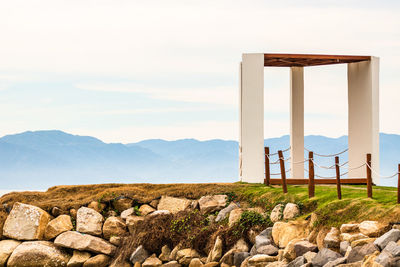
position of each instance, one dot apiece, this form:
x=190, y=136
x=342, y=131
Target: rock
x=362, y=242
x=283, y=232
x=343, y=247
x=289, y=252
x=239, y=257
x=332, y=239
x=268, y=250
x=369, y=261
x=302, y=247
x=195, y=263
x=116, y=240
x=152, y=261
x=225, y=212
x=371, y=228
x=98, y=261
x=335, y=262
x=354, y=264
x=349, y=228
x=324, y=256
x=78, y=241
x=159, y=213
x=216, y=252
x=309, y=256
x=320, y=238
x=297, y=262
x=352, y=237
x=358, y=253
x=277, y=264
x=89, y=221
x=291, y=211
x=132, y=221
x=56, y=211
x=228, y=257
x=173, y=204
x=165, y=253
x=26, y=222
x=122, y=204
x=172, y=264
x=127, y=212
x=211, y=264
x=393, y=249
x=78, y=258
x=111, y=213
x=213, y=203
x=113, y=226
x=146, y=209
x=6, y=248
x=241, y=246
x=384, y=259
x=139, y=255
x=184, y=256
x=57, y=226
x=261, y=260
x=154, y=203
x=264, y=238
x=38, y=253
x=234, y=216
x=174, y=251
x=392, y=235
x=276, y=213
x=97, y=206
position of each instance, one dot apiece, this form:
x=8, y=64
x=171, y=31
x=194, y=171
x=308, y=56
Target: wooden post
x=339, y=190
x=311, y=184
x=283, y=173
x=369, y=176
x=267, y=170
x=398, y=185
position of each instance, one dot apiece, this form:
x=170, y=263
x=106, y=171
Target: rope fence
x=336, y=179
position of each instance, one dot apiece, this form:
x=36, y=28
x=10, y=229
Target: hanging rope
x=381, y=176
x=332, y=155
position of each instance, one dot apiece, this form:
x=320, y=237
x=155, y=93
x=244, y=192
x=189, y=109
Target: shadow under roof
x=304, y=60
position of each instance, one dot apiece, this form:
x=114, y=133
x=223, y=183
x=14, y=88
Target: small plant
x=231, y=197
x=249, y=219
x=136, y=210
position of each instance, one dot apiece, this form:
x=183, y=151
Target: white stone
x=89, y=221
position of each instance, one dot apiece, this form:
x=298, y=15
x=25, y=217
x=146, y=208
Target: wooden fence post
x=283, y=173
x=369, y=176
x=398, y=185
x=267, y=170
x=339, y=189
x=311, y=185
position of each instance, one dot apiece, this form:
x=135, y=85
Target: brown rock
x=97, y=206
x=212, y=203
x=26, y=222
x=154, y=203
x=173, y=204
x=6, y=248
x=352, y=237
x=122, y=204
x=332, y=239
x=172, y=264
x=116, y=240
x=349, y=228
x=261, y=260
x=372, y=228
x=128, y=212
x=78, y=241
x=234, y=216
x=78, y=258
x=216, y=252
x=320, y=238
x=41, y=253
x=145, y=209
x=113, y=226
x=362, y=242
x=152, y=261
x=184, y=256
x=56, y=211
x=132, y=221
x=89, y=221
x=291, y=211
x=73, y=213
x=283, y=232
x=57, y=226
x=165, y=253
x=289, y=252
x=195, y=263
x=98, y=261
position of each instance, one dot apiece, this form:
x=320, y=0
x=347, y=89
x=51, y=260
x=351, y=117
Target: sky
x=125, y=71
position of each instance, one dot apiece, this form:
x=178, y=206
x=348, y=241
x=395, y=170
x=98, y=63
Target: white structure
x=363, y=108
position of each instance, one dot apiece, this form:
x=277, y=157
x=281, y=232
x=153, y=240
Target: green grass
x=354, y=206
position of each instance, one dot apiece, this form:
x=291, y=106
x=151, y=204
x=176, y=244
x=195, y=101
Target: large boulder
x=6, y=248
x=332, y=239
x=139, y=255
x=132, y=221
x=38, y=253
x=283, y=233
x=26, y=222
x=76, y=240
x=302, y=247
x=371, y=228
x=89, y=221
x=358, y=253
x=173, y=204
x=324, y=256
x=393, y=248
x=392, y=235
x=212, y=203
x=225, y=211
x=234, y=216
x=98, y=261
x=349, y=228
x=146, y=209
x=122, y=203
x=216, y=252
x=78, y=258
x=113, y=226
x=291, y=211
x=276, y=213
x=263, y=238
x=57, y=226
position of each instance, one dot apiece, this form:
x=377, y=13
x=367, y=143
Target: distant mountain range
x=37, y=160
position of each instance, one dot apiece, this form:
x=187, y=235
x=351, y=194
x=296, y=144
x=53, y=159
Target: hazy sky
x=129, y=70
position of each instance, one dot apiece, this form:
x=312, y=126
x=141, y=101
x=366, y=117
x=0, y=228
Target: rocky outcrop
x=78, y=241
x=89, y=221
x=38, y=253
x=26, y=222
